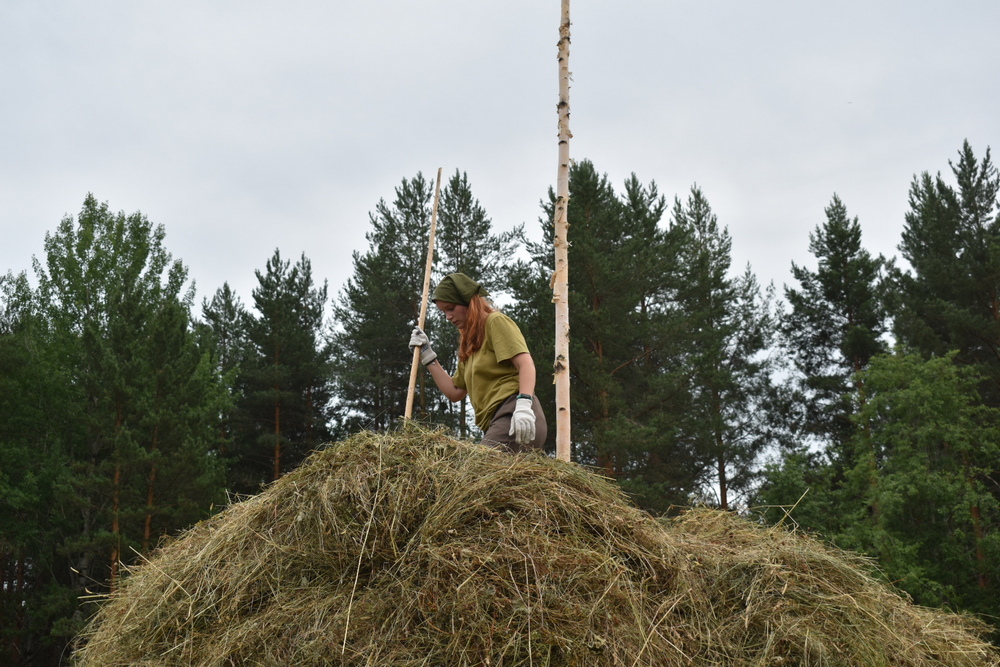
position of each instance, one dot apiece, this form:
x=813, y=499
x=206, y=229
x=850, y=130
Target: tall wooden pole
x=415, y=365
x=560, y=279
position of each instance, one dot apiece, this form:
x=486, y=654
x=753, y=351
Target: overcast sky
x=248, y=126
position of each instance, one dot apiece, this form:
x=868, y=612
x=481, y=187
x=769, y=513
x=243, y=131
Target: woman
x=495, y=369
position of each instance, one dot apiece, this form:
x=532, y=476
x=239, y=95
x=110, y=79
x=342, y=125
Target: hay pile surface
x=416, y=549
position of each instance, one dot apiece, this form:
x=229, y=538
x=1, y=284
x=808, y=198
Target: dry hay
x=416, y=549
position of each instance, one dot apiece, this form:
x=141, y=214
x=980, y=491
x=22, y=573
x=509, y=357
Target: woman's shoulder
x=503, y=331
x=499, y=318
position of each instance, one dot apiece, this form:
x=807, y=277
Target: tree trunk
x=115, y=526
x=16, y=603
x=723, y=483
x=116, y=503
x=982, y=581
x=560, y=279
x=720, y=452
x=150, y=494
x=277, y=435
x=977, y=527
x=310, y=418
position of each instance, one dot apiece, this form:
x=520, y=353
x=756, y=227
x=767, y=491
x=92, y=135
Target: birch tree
x=560, y=278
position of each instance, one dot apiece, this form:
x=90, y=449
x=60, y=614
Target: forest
x=860, y=402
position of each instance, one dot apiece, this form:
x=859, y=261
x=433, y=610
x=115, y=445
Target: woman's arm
x=525, y=366
x=445, y=383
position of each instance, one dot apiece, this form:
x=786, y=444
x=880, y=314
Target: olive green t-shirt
x=488, y=375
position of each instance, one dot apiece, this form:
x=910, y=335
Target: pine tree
x=465, y=239
x=837, y=323
x=627, y=380
x=950, y=300
x=284, y=382
x=223, y=331
x=951, y=240
x=729, y=328
x=226, y=319
x=377, y=308
x=187, y=397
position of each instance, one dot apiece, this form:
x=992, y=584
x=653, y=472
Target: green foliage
x=112, y=430
x=225, y=319
x=33, y=440
x=950, y=308
x=465, y=240
x=799, y=490
x=837, y=322
x=920, y=493
x=223, y=332
x=907, y=468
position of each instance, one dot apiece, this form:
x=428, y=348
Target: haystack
x=417, y=549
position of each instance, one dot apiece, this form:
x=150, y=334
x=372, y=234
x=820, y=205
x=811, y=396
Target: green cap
x=458, y=288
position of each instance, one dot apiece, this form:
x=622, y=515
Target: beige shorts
x=498, y=434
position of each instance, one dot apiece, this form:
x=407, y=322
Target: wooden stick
x=411, y=391
x=560, y=279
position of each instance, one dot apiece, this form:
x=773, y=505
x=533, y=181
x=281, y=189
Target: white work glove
x=522, y=422
x=419, y=339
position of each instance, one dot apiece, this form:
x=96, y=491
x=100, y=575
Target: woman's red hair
x=474, y=333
